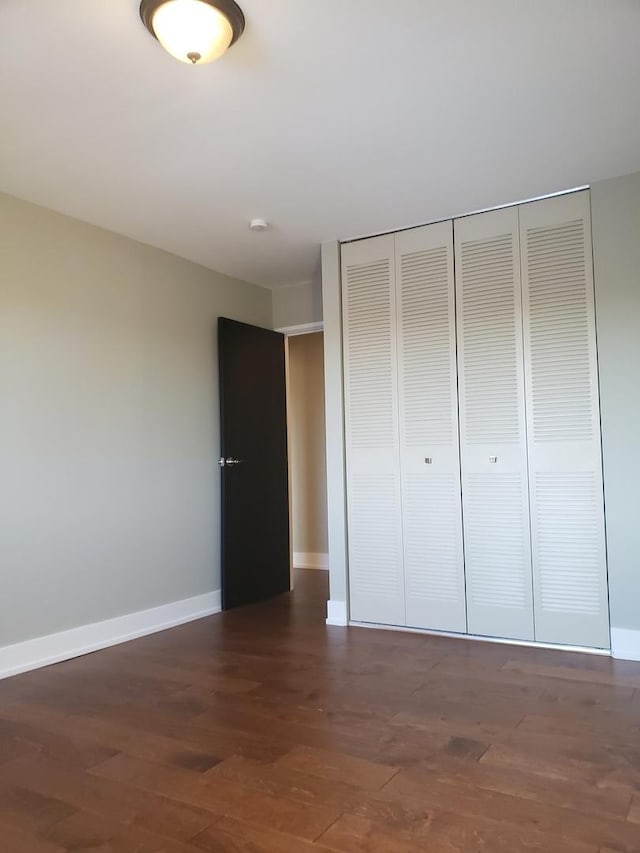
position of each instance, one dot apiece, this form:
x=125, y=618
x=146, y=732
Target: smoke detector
x=258, y=225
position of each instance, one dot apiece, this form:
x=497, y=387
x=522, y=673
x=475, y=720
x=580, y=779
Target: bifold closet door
x=492, y=425
x=376, y=575
x=428, y=421
x=565, y=463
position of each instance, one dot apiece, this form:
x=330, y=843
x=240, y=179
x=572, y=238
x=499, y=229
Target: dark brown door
x=255, y=489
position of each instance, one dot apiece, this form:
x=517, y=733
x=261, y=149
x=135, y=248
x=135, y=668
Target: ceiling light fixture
x=193, y=31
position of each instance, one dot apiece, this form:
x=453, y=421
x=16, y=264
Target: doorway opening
x=307, y=459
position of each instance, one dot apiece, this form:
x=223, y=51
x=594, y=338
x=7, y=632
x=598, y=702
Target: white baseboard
x=480, y=638
x=337, y=613
x=54, y=648
x=310, y=561
x=625, y=644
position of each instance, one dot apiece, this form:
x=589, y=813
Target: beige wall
x=109, y=484
x=297, y=305
x=615, y=207
x=307, y=444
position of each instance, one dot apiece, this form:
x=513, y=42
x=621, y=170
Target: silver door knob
x=230, y=461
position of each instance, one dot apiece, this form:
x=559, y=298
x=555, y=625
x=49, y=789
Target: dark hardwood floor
x=264, y=730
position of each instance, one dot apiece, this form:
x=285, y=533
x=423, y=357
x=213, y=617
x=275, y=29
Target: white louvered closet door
x=492, y=425
x=563, y=411
x=376, y=577
x=428, y=419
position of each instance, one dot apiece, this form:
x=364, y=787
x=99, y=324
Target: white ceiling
x=330, y=118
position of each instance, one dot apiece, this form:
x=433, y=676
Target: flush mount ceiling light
x=194, y=31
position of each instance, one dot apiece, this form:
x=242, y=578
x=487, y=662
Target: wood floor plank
x=292, y=784
x=11, y=748
x=447, y=791
x=118, y=738
x=533, y=690
x=86, y=831
x=483, y=709
x=69, y=748
x=338, y=767
x=282, y=781
x=116, y=800
x=407, y=748
x=13, y=839
x=353, y=834
x=614, y=675
x=574, y=793
x=234, y=836
x=548, y=763
x=443, y=833
x=171, y=725
x=31, y=810
x=220, y=796
x=174, y=676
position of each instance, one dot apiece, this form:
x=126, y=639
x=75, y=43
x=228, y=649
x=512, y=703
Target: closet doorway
x=307, y=459
x=472, y=422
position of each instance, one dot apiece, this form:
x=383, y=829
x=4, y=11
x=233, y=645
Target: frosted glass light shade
x=193, y=31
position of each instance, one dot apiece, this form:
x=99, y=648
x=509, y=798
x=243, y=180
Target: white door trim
x=302, y=329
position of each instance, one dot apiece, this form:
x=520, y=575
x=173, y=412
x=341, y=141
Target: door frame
x=338, y=604
x=291, y=332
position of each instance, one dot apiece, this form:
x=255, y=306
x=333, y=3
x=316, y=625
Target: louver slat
x=492, y=425
x=567, y=513
x=376, y=575
x=431, y=499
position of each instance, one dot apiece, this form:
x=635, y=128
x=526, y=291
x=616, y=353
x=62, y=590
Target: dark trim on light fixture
x=228, y=8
